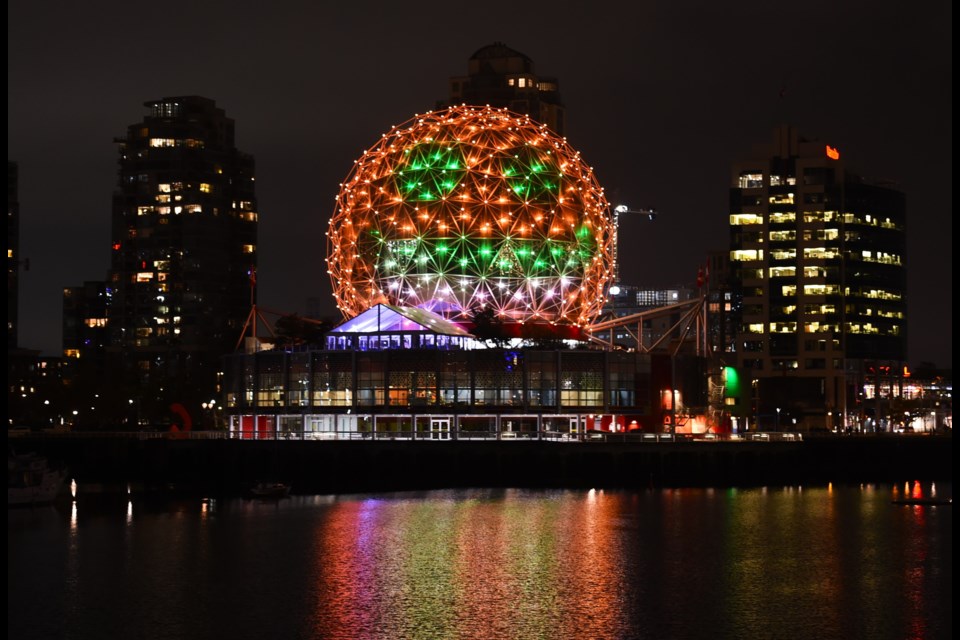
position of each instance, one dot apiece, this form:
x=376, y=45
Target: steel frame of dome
x=472, y=207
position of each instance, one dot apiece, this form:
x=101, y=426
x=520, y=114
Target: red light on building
x=833, y=153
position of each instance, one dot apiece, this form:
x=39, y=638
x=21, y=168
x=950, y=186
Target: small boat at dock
x=31, y=480
x=270, y=490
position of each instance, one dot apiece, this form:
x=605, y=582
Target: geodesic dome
x=469, y=208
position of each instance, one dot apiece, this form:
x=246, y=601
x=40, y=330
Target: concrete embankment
x=229, y=466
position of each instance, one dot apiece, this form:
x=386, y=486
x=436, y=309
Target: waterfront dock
x=214, y=465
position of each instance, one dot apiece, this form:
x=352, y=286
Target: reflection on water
x=791, y=562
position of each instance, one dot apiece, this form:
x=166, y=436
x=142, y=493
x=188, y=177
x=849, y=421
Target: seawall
x=230, y=466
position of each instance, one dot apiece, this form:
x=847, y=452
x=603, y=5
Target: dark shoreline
x=226, y=467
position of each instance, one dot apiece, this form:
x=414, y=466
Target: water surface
x=822, y=562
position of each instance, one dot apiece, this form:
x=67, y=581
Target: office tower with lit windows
x=184, y=248
x=818, y=257
x=498, y=76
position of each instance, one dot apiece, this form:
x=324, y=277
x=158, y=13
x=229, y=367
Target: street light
x=212, y=407
x=778, y=419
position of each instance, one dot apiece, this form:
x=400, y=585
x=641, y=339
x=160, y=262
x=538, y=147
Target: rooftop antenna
x=617, y=210
x=251, y=322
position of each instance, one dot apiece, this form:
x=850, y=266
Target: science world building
x=468, y=249
x=404, y=372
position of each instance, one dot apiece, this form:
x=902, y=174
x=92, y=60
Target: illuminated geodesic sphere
x=467, y=208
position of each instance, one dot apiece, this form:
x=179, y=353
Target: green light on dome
x=435, y=171
x=531, y=174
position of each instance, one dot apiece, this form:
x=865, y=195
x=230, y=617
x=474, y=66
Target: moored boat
x=270, y=490
x=31, y=480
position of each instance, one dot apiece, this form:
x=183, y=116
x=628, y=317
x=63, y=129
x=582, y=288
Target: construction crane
x=617, y=210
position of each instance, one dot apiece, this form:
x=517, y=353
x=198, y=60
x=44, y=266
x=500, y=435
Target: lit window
x=783, y=327
x=745, y=218
x=783, y=272
x=777, y=236
x=783, y=198
x=820, y=289
x=750, y=180
x=746, y=255
x=782, y=217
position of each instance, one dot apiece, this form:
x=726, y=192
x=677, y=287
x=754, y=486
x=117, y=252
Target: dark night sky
x=661, y=98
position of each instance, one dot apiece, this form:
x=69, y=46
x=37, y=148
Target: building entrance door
x=439, y=428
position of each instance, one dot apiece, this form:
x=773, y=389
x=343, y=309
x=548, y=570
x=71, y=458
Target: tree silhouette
x=293, y=330
x=488, y=328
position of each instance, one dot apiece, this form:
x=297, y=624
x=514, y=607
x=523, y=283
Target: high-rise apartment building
x=184, y=248
x=818, y=258
x=501, y=77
